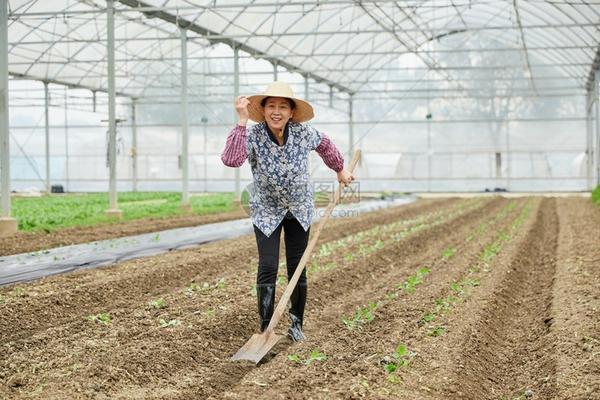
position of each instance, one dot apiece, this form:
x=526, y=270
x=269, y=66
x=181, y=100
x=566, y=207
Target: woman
x=277, y=149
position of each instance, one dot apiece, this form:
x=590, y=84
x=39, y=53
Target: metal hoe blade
x=257, y=347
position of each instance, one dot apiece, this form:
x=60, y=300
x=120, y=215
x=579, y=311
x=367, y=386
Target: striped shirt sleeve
x=330, y=154
x=235, y=152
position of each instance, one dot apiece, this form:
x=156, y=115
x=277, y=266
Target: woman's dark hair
x=290, y=101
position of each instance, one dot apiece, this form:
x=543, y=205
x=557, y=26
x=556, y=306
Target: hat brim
x=302, y=113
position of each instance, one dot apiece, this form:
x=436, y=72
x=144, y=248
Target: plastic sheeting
x=35, y=265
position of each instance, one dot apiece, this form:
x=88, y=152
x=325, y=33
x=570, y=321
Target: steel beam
x=185, y=201
x=112, y=121
x=134, y=146
x=4, y=132
x=236, y=93
x=215, y=37
x=597, y=99
x=47, y=131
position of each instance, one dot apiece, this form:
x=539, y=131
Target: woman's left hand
x=345, y=177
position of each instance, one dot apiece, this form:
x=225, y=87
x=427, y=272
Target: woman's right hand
x=241, y=106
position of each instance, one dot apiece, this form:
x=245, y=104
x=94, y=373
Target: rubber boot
x=266, y=300
x=296, y=312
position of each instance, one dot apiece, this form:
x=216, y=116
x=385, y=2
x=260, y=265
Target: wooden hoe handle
x=281, y=306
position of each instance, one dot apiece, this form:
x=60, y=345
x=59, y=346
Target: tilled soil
x=23, y=242
x=489, y=299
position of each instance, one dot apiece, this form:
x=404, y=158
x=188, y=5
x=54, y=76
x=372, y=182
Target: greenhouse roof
x=346, y=45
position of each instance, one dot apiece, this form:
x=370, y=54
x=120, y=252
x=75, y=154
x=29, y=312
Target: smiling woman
x=277, y=149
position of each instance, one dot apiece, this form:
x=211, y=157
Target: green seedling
x=171, y=324
x=409, y=286
x=1, y=299
x=19, y=292
x=325, y=250
x=156, y=238
x=157, y=304
x=361, y=317
x=192, y=288
x=391, y=296
x=102, y=318
x=315, y=355
x=401, y=358
x=349, y=257
x=436, y=331
x=456, y=288
x=220, y=283
x=448, y=253
x=295, y=358
x=206, y=287
x=428, y=317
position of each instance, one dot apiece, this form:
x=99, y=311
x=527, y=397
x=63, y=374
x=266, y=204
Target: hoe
x=260, y=343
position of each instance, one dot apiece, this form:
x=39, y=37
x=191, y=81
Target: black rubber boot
x=298, y=301
x=266, y=300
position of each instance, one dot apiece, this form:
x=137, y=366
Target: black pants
x=296, y=240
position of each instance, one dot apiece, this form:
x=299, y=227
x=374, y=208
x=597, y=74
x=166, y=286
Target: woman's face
x=278, y=112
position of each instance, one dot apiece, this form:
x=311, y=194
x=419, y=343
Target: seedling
x=349, y=257
x=19, y=292
x=157, y=304
x=456, y=288
x=295, y=358
x=206, y=287
x=102, y=318
x=315, y=355
x=436, y=331
x=171, y=324
x=428, y=317
x=448, y=253
x=409, y=286
x=191, y=289
x=361, y=317
x=325, y=250
x=401, y=358
x=220, y=283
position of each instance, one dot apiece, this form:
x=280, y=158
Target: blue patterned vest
x=281, y=176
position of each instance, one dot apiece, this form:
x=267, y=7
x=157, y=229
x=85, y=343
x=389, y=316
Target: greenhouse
x=434, y=165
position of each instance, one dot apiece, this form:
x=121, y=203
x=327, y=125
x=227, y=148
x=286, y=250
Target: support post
x=134, y=150
x=66, y=142
x=185, y=196
x=205, y=148
x=589, y=139
x=597, y=100
x=113, y=210
x=236, y=93
x=275, y=64
x=47, y=129
x=8, y=225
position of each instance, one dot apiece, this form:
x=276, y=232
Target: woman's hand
x=241, y=106
x=345, y=177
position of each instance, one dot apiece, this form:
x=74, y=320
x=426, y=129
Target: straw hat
x=302, y=113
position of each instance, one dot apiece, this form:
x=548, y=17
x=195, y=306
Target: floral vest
x=281, y=176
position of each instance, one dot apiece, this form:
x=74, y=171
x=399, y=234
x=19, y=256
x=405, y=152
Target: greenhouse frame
x=441, y=96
